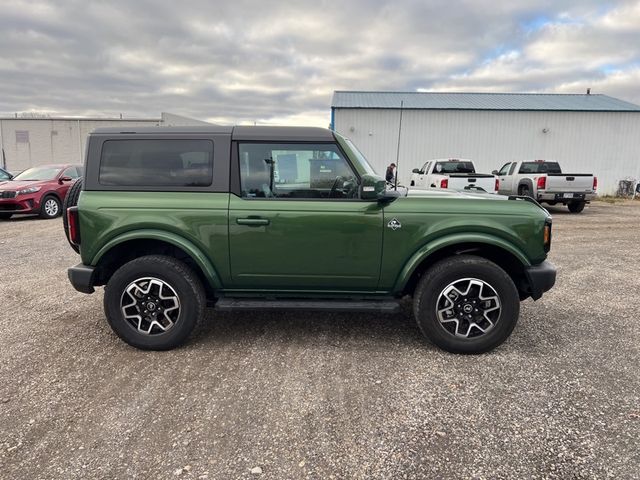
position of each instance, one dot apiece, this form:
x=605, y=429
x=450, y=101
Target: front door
x=299, y=224
x=505, y=185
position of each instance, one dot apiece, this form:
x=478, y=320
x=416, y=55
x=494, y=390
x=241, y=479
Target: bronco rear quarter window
x=157, y=163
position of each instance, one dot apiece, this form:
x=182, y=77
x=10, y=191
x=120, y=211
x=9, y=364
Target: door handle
x=252, y=222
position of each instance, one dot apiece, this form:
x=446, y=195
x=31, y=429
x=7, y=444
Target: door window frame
x=506, y=168
x=235, y=185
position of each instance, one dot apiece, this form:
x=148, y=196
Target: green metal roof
x=482, y=101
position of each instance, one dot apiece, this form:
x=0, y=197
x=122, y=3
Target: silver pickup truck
x=544, y=181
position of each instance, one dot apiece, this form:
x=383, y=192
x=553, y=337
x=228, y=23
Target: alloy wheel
x=51, y=207
x=150, y=305
x=468, y=308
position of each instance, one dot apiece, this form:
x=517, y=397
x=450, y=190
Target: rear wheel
x=50, y=207
x=5, y=216
x=154, y=302
x=466, y=304
x=576, y=207
x=523, y=191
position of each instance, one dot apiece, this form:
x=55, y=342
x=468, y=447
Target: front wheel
x=50, y=207
x=576, y=207
x=466, y=304
x=154, y=302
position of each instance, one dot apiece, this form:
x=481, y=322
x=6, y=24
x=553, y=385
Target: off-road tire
x=71, y=200
x=182, y=279
x=44, y=213
x=436, y=279
x=576, y=207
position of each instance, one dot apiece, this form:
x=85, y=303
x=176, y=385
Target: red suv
x=37, y=190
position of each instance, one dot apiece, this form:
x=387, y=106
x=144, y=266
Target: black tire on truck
x=576, y=207
x=154, y=302
x=523, y=191
x=71, y=200
x=466, y=304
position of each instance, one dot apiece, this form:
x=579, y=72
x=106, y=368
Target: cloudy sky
x=241, y=61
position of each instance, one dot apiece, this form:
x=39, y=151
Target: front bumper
x=82, y=277
x=541, y=278
x=20, y=204
x=560, y=197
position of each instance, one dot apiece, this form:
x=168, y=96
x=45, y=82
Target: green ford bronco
x=173, y=220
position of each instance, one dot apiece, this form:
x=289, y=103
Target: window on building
x=22, y=136
x=269, y=170
x=157, y=163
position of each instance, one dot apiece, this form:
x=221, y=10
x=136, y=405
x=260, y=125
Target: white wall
x=51, y=140
x=604, y=143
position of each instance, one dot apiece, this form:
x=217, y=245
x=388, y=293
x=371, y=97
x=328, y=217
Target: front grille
x=8, y=194
x=10, y=208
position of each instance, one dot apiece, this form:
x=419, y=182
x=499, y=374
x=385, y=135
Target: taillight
x=497, y=185
x=74, y=225
x=444, y=183
x=595, y=183
x=547, y=236
x=542, y=183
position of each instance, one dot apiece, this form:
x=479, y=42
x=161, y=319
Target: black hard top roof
x=255, y=133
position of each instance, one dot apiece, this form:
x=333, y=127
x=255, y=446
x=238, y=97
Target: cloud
x=278, y=62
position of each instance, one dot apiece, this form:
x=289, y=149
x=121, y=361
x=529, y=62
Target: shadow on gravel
x=22, y=218
x=309, y=328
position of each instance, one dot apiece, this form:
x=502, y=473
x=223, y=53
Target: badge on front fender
x=394, y=224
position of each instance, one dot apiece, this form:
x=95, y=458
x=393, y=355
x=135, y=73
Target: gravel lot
x=325, y=396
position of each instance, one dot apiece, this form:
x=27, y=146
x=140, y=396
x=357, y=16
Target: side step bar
x=320, y=305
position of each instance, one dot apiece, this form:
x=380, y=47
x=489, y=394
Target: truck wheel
x=154, y=302
x=5, y=216
x=466, y=304
x=71, y=200
x=576, y=207
x=523, y=191
x=50, y=207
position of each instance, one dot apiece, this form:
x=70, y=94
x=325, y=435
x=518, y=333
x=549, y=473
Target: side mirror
x=415, y=170
x=495, y=172
x=65, y=179
x=373, y=187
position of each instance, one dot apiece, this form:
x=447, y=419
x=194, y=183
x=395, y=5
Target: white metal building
x=585, y=133
x=31, y=141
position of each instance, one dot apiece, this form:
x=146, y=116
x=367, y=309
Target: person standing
x=390, y=176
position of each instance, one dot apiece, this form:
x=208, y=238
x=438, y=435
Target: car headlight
x=28, y=190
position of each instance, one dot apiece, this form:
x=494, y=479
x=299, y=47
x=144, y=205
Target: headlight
x=29, y=190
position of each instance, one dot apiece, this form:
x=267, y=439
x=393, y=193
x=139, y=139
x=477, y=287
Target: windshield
x=368, y=169
x=454, y=166
x=39, y=173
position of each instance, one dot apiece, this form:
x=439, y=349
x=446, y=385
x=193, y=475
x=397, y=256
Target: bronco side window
x=279, y=170
x=157, y=163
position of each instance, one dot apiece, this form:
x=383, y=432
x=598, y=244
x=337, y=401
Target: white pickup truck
x=453, y=174
x=544, y=181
